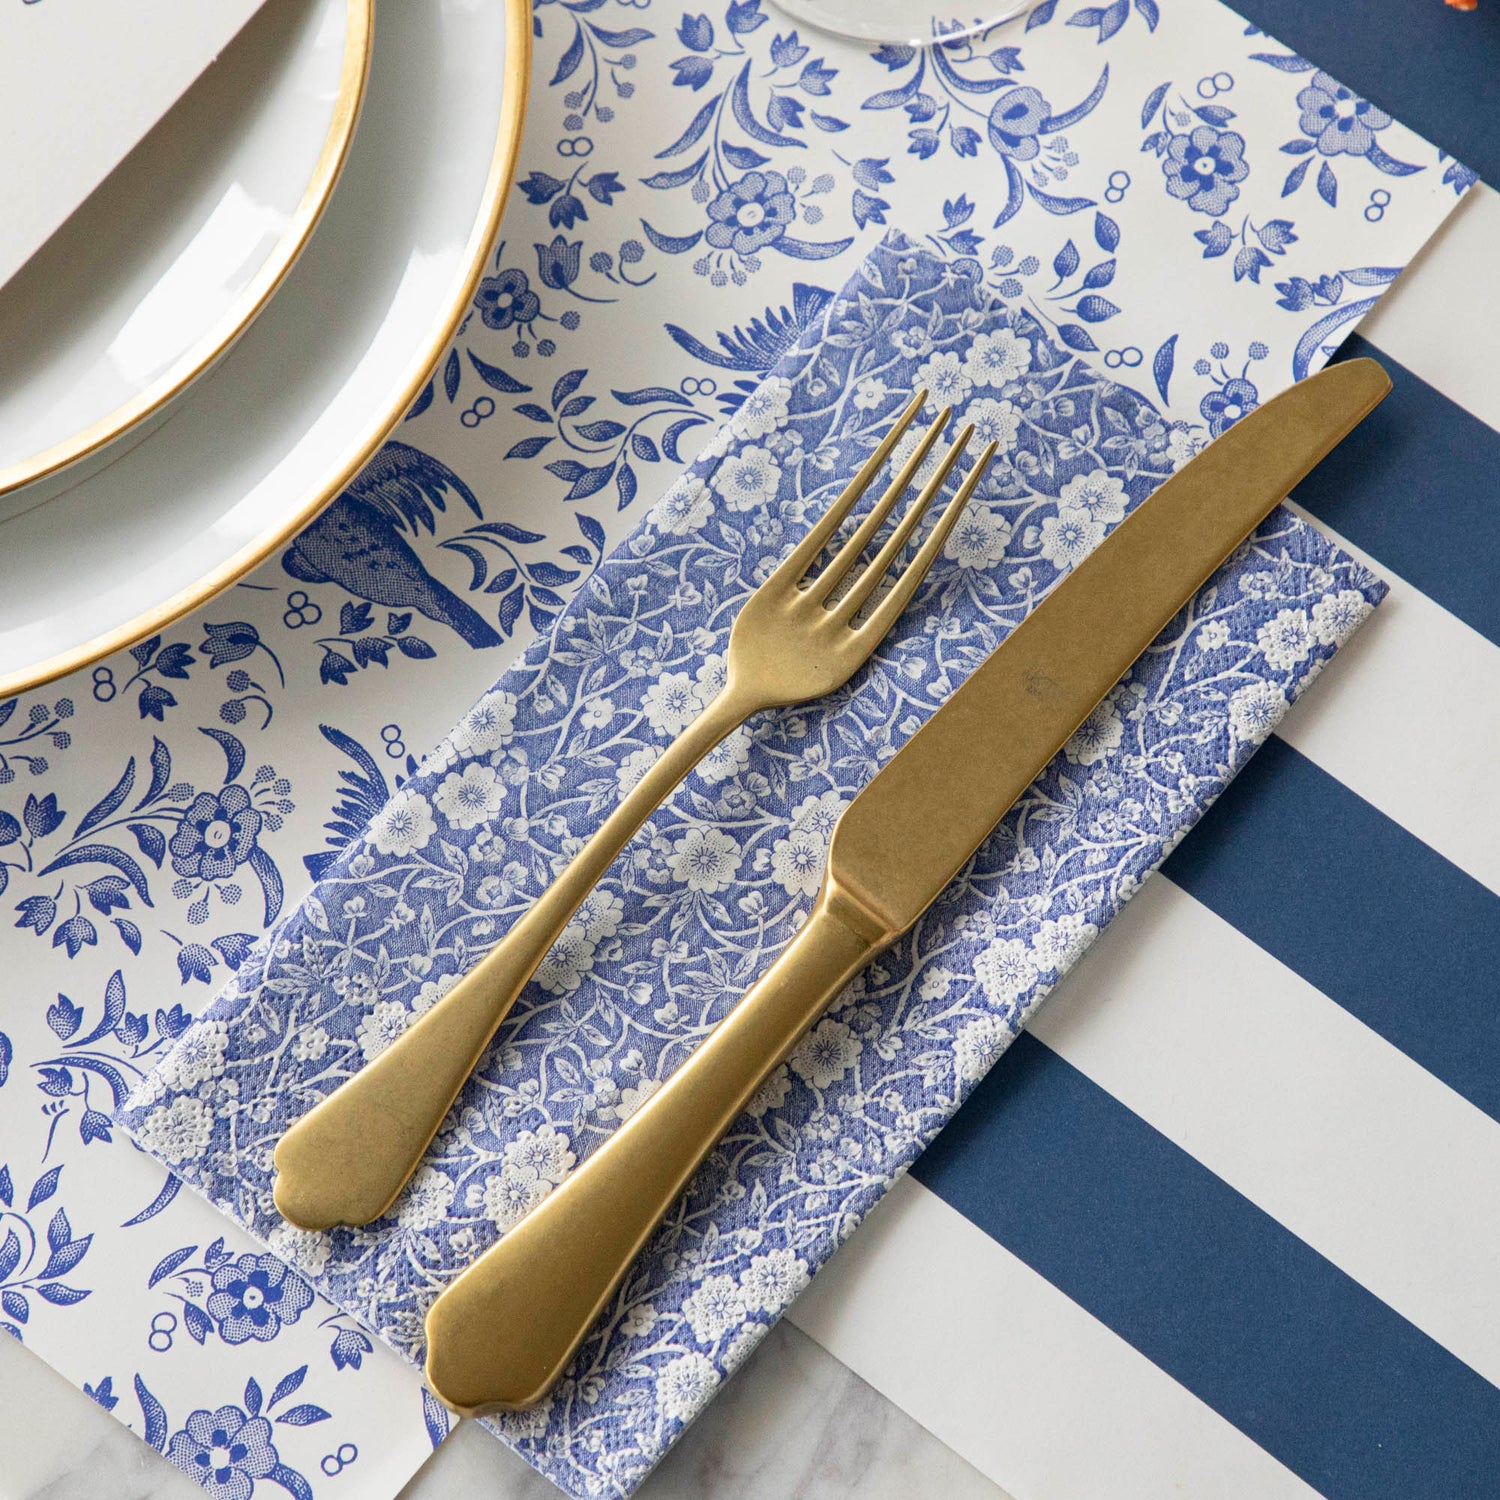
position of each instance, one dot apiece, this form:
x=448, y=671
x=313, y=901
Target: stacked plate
x=228, y=328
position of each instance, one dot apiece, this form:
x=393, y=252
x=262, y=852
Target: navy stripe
x=1413, y=486
x=1277, y=1340
x=1360, y=908
x=1435, y=69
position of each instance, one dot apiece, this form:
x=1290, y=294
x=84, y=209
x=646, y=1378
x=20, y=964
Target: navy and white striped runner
x=1253, y=1250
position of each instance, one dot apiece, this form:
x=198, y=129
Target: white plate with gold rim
x=168, y=261
x=277, y=428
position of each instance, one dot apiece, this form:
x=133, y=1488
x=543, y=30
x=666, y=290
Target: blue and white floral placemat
x=622, y=313
x=722, y=876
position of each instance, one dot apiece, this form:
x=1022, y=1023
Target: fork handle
x=347, y=1159
x=502, y=1333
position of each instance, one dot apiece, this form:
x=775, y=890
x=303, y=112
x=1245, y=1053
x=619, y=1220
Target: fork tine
x=868, y=581
x=805, y=554
x=847, y=555
x=884, y=615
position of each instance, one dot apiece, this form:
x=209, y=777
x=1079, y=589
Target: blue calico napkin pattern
x=722, y=876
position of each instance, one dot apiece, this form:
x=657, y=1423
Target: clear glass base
x=917, y=23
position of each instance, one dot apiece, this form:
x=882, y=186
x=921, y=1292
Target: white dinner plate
x=281, y=424
x=167, y=262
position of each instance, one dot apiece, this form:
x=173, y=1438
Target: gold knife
x=504, y=1331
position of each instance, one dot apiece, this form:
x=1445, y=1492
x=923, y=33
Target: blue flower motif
x=744, y=16
x=696, y=32
x=217, y=834
x=231, y=642
x=1203, y=167
x=37, y=912
x=751, y=213
x=194, y=961
x=75, y=934
x=1459, y=177
x=506, y=299
x=102, y=1393
x=1337, y=120
x=63, y=1017
x=172, y=1023
x=1223, y=407
x=349, y=1348
x=253, y=1296
x=226, y=1451
x=1016, y=120
x=558, y=264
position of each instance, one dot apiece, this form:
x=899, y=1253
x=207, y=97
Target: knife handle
x=347, y=1159
x=502, y=1333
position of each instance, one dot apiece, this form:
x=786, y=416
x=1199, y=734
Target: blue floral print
x=98, y=1067
x=226, y=1451
x=1016, y=121
x=727, y=868
x=23, y=748
x=1223, y=407
x=216, y=835
x=1204, y=164
x=751, y=213
x=1107, y=20
x=1347, y=295
x=965, y=97
x=210, y=840
x=559, y=262
x=229, y=1449
x=749, y=209
x=32, y=1264
x=143, y=836
x=507, y=299
x=1337, y=120
x=941, y=98
x=1205, y=167
x=1233, y=395
x=253, y=1296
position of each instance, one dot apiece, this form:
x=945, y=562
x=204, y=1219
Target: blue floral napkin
x=721, y=877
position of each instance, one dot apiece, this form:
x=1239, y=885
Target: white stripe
x=1408, y=716
x=1339, y=1136
x=1442, y=317
x=1035, y=1392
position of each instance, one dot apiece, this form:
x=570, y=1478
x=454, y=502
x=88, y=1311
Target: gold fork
x=348, y=1158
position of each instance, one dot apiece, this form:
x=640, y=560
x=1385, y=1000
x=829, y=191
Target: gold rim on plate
x=486, y=226
x=353, y=75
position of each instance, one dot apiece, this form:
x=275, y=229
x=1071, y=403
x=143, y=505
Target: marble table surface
x=793, y=1423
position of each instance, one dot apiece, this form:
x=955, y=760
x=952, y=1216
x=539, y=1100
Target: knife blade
x=503, y=1332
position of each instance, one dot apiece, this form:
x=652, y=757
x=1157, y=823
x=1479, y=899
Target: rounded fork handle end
x=347, y=1159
